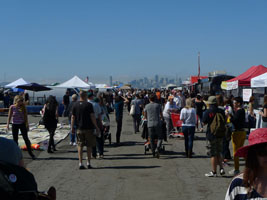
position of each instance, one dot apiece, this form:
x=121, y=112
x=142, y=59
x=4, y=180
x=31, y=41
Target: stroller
x=177, y=124
x=147, y=145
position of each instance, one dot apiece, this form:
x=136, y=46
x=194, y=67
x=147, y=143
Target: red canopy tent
x=194, y=79
x=244, y=79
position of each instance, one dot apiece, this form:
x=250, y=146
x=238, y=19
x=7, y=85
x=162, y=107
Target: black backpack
x=16, y=183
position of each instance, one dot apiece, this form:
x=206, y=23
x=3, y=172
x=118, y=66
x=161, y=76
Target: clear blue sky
x=56, y=39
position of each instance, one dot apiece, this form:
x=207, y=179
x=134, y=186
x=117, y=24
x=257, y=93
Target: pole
x=198, y=65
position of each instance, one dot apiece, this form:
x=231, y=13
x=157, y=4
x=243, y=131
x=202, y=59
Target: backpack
x=217, y=126
x=16, y=183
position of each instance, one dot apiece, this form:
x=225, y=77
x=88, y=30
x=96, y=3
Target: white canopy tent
x=259, y=81
x=14, y=84
x=75, y=82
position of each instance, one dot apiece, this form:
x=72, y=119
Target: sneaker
x=81, y=167
x=89, y=167
x=71, y=143
x=74, y=144
x=234, y=172
x=211, y=174
x=222, y=172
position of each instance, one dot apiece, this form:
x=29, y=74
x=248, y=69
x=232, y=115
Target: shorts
x=86, y=138
x=215, y=147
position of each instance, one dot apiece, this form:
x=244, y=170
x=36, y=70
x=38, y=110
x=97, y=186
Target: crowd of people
x=226, y=118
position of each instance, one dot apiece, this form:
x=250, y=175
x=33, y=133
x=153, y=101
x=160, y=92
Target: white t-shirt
x=188, y=116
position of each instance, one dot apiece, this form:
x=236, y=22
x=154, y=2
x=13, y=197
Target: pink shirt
x=17, y=115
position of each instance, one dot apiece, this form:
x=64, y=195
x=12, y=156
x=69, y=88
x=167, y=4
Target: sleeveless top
x=17, y=115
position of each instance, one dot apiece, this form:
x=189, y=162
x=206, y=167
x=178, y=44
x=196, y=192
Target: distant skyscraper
x=156, y=78
x=110, y=81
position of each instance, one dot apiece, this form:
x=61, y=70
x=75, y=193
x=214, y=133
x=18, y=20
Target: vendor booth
x=259, y=81
x=244, y=80
x=76, y=82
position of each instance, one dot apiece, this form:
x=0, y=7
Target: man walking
x=84, y=118
x=138, y=105
x=153, y=114
x=215, y=143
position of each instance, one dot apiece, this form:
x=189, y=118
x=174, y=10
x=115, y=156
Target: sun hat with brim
x=212, y=100
x=258, y=136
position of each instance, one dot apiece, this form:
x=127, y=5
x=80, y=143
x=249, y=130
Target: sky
x=48, y=40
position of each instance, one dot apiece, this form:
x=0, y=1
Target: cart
x=177, y=124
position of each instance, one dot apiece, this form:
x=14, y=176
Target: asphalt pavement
x=127, y=173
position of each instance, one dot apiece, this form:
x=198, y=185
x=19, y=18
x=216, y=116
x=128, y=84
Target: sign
x=247, y=93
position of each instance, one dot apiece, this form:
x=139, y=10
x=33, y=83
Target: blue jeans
x=73, y=136
x=189, y=133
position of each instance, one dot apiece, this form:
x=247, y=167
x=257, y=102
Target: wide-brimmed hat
x=258, y=136
x=212, y=100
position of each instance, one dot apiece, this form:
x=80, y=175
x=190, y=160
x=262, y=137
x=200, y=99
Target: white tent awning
x=259, y=81
x=14, y=84
x=74, y=82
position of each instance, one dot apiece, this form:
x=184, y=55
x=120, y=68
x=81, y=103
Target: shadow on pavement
x=129, y=167
x=57, y=158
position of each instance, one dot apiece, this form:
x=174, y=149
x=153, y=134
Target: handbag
x=132, y=110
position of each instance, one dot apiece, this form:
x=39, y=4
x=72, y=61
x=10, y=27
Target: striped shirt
x=17, y=115
x=237, y=191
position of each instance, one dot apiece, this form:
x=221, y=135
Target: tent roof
x=259, y=81
x=244, y=79
x=194, y=79
x=15, y=83
x=74, y=82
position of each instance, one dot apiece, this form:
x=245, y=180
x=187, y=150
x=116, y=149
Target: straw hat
x=258, y=136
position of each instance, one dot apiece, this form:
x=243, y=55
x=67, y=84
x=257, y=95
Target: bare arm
x=9, y=117
x=145, y=115
x=92, y=115
x=264, y=114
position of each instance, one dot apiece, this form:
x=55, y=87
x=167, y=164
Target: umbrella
x=35, y=87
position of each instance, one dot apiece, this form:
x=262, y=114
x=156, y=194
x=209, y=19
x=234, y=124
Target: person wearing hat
x=252, y=183
x=215, y=144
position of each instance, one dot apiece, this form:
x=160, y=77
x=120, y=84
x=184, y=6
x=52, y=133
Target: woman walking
x=50, y=117
x=19, y=116
x=189, y=118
